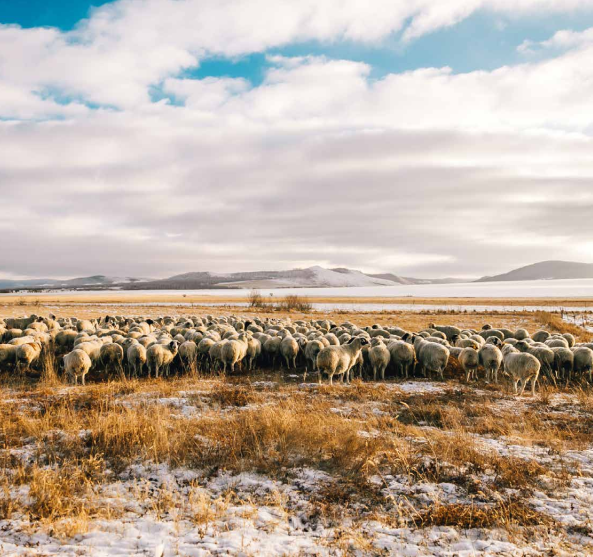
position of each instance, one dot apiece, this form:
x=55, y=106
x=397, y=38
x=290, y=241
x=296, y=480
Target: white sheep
x=77, y=364
x=338, y=360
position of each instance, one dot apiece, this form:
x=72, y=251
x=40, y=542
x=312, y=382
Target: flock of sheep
x=138, y=347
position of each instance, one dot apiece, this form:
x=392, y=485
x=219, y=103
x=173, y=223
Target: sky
x=425, y=138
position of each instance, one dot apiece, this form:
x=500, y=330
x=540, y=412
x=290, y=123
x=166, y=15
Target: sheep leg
x=331, y=378
x=383, y=374
x=523, y=382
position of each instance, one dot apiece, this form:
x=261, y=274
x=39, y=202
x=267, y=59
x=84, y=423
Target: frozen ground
x=448, y=459
x=567, y=288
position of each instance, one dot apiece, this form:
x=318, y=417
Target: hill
x=546, y=270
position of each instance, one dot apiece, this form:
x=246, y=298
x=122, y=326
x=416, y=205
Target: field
x=274, y=463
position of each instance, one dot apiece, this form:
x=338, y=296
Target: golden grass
x=238, y=427
x=503, y=514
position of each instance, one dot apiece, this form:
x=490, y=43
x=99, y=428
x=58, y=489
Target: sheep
x=570, y=339
x=289, y=349
x=545, y=356
x=160, y=356
x=403, y=357
x=522, y=368
x=188, y=354
x=563, y=362
x=466, y=343
x=271, y=348
x=540, y=336
x=339, y=360
x=111, y=357
x=379, y=357
x=233, y=351
x=253, y=350
x=558, y=342
x=136, y=356
x=7, y=354
x=312, y=349
x=583, y=360
x=469, y=360
x=488, y=333
x=27, y=355
x=521, y=334
x=432, y=356
x=448, y=330
x=491, y=359
x=77, y=364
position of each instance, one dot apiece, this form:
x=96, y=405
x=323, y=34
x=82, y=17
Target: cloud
x=428, y=171
x=561, y=40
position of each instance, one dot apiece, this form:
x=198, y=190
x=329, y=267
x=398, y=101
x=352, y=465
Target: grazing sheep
x=379, y=357
x=7, y=355
x=432, y=356
x=521, y=334
x=522, y=368
x=570, y=339
x=111, y=357
x=253, y=350
x=448, y=330
x=233, y=351
x=489, y=333
x=64, y=340
x=312, y=349
x=160, y=356
x=271, y=348
x=557, y=342
x=491, y=359
x=339, y=360
x=27, y=355
x=466, y=343
x=469, y=360
x=583, y=360
x=563, y=362
x=545, y=356
x=403, y=357
x=289, y=349
x=540, y=336
x=136, y=356
x=188, y=354
x=77, y=364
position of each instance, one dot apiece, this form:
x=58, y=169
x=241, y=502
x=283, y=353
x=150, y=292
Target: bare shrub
x=256, y=300
x=294, y=303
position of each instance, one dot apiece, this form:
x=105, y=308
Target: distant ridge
x=309, y=277
x=546, y=270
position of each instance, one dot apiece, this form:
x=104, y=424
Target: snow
x=566, y=288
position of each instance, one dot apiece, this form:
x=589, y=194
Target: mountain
x=546, y=270
x=79, y=282
x=310, y=277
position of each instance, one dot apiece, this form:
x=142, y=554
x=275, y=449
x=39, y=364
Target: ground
x=274, y=463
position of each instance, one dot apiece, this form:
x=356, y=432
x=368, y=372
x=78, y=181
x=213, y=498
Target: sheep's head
x=486, y=327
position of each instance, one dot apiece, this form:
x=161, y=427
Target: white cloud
x=561, y=40
x=429, y=171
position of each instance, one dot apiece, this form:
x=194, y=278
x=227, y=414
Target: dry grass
x=79, y=438
x=503, y=514
x=554, y=322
